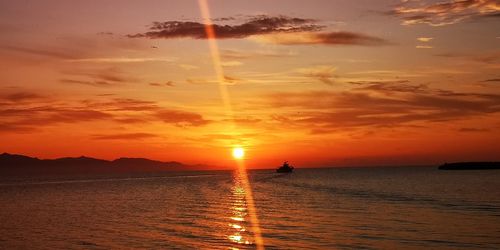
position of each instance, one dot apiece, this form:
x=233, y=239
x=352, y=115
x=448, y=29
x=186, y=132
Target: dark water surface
x=343, y=208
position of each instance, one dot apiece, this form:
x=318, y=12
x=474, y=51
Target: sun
x=238, y=153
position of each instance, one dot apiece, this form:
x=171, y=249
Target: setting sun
x=238, y=153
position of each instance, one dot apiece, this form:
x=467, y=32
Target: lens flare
x=219, y=71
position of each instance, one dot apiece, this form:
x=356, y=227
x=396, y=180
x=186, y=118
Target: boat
x=286, y=168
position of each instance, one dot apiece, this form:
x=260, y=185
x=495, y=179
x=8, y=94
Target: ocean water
x=336, y=208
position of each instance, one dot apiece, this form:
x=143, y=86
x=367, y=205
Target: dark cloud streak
x=258, y=25
x=125, y=136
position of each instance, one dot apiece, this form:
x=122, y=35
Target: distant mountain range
x=12, y=164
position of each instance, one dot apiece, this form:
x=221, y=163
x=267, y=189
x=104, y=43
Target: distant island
x=12, y=164
x=470, y=166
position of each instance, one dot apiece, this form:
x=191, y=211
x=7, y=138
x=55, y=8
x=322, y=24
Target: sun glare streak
x=214, y=52
x=237, y=153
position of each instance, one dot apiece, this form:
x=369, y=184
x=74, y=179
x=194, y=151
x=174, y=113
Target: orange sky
x=318, y=83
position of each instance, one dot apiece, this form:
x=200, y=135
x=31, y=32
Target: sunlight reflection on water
x=238, y=213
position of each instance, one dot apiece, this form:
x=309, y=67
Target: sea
x=328, y=208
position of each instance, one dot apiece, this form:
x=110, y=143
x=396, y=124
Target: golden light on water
x=238, y=215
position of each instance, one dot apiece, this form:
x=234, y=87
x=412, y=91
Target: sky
x=317, y=83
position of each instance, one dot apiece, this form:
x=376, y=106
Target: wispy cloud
x=425, y=39
x=379, y=104
x=491, y=59
x=181, y=118
x=323, y=73
x=228, y=80
x=124, y=136
x=231, y=63
x=21, y=96
x=37, y=113
x=492, y=80
x=325, y=38
x=445, y=12
x=96, y=83
x=165, y=84
x=106, y=77
x=424, y=47
x=235, y=54
x=40, y=52
x=474, y=130
x=121, y=60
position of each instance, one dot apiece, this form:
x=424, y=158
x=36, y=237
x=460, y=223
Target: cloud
x=200, y=80
x=21, y=96
x=491, y=58
x=473, y=130
x=246, y=120
x=39, y=52
x=126, y=136
x=105, y=33
x=122, y=104
x=325, y=38
x=424, y=47
x=227, y=139
x=235, y=54
x=165, y=84
x=492, y=80
x=446, y=12
x=323, y=73
x=106, y=77
x=223, y=19
x=96, y=83
x=70, y=115
x=37, y=114
x=181, y=118
x=231, y=63
x=228, y=80
x=40, y=116
x=390, y=87
x=257, y=25
x=16, y=128
x=268, y=29
x=121, y=60
x=424, y=39
x=378, y=104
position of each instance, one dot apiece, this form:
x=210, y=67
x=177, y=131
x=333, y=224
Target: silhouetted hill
x=470, y=166
x=17, y=159
x=138, y=161
x=11, y=164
